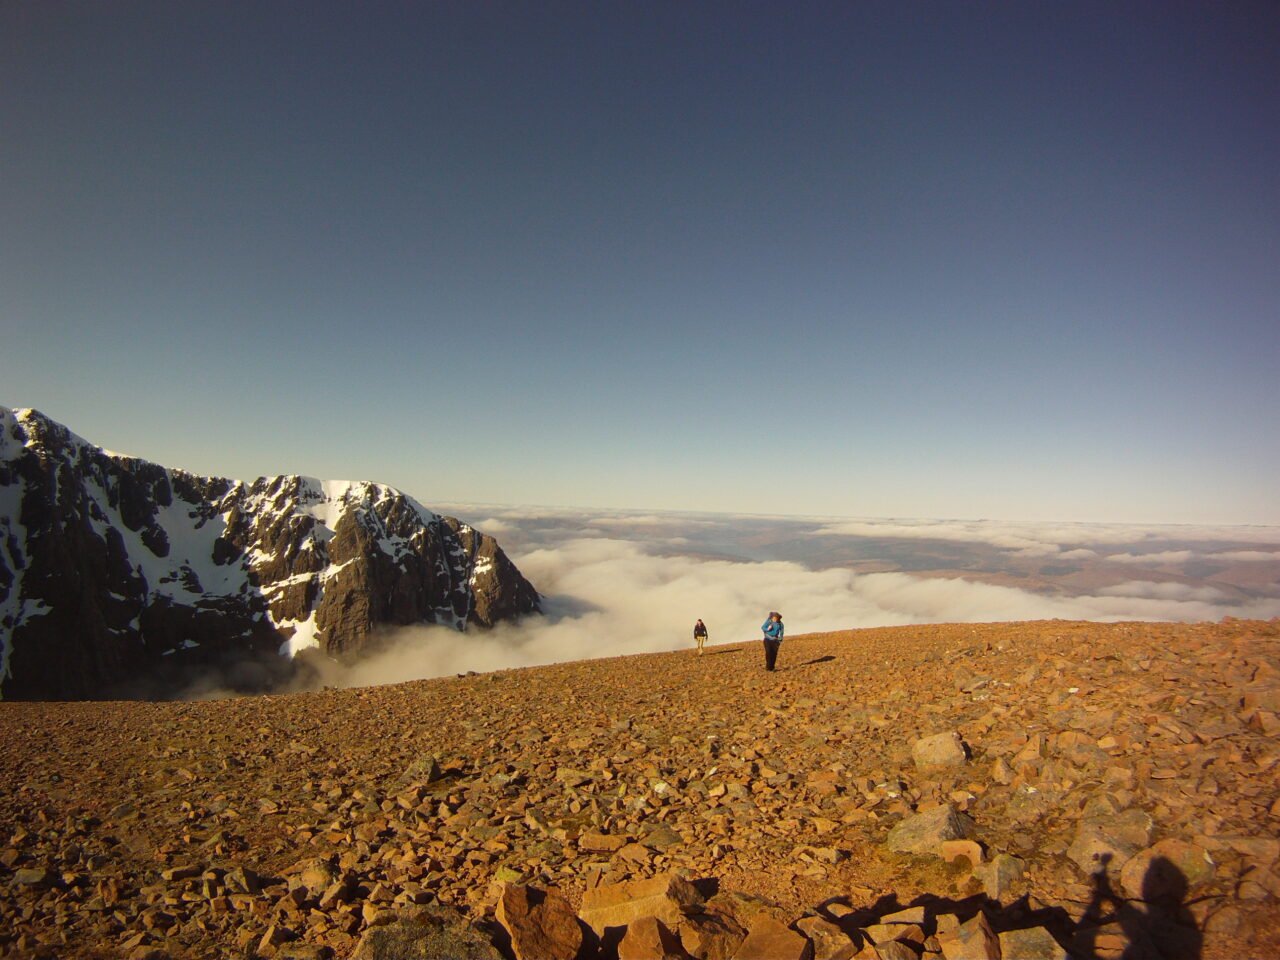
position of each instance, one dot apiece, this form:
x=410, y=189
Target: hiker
x=772, y=638
x=699, y=634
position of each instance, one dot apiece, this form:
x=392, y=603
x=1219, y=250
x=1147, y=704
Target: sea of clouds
x=621, y=582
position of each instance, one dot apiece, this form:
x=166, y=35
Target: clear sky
x=1009, y=260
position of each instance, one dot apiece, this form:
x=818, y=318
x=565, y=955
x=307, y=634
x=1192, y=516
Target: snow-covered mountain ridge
x=111, y=565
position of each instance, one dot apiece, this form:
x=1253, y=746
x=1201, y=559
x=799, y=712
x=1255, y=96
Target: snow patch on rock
x=175, y=560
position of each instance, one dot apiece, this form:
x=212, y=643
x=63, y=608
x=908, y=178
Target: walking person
x=772, y=638
x=699, y=634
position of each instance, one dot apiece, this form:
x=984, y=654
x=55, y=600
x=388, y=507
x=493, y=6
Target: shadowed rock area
x=1021, y=790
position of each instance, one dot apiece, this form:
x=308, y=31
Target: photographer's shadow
x=1158, y=927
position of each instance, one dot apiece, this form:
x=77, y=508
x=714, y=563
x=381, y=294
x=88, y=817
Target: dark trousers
x=771, y=653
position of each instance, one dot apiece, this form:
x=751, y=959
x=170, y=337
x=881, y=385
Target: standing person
x=772, y=638
x=699, y=634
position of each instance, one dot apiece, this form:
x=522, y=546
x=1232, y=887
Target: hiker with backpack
x=772, y=638
x=699, y=634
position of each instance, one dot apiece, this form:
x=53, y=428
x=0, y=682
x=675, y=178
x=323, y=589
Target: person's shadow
x=808, y=663
x=1160, y=928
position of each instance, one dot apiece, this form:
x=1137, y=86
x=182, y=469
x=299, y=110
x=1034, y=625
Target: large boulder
x=925, y=832
x=769, y=939
x=428, y=933
x=1166, y=871
x=616, y=906
x=649, y=939
x=1105, y=844
x=541, y=923
x=942, y=751
x=972, y=940
x=828, y=940
x=1032, y=943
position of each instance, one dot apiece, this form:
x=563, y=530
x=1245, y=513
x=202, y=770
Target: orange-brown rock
x=1031, y=943
x=712, y=933
x=601, y=843
x=999, y=875
x=829, y=941
x=952, y=850
x=925, y=832
x=938, y=752
x=540, y=923
x=649, y=939
x=890, y=950
x=426, y=932
x=882, y=933
x=973, y=940
x=767, y=939
x=669, y=898
x=1166, y=871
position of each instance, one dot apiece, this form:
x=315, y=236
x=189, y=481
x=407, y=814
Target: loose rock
x=541, y=923
x=939, y=752
x=925, y=832
x=767, y=939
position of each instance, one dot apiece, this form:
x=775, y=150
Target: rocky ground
x=1116, y=787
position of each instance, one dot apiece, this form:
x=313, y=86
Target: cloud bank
x=608, y=596
x=1053, y=539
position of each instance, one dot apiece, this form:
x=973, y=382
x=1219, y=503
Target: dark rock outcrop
x=114, y=570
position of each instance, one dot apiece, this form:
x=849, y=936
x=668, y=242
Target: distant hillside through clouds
x=626, y=581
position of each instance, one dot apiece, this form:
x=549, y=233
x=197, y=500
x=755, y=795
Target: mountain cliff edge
x=118, y=574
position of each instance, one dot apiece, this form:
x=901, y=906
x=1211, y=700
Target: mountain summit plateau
x=119, y=575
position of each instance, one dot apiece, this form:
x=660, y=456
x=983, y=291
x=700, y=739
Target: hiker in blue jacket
x=772, y=638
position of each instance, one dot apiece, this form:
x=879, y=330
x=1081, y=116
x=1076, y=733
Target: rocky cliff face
x=113, y=568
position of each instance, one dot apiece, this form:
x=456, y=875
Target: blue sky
x=1018, y=261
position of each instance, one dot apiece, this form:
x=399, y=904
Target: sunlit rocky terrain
x=1019, y=789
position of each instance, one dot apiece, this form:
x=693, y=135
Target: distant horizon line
x=827, y=517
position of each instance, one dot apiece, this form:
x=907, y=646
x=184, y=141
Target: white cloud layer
x=1167, y=590
x=607, y=597
x=1246, y=556
x=496, y=527
x=1054, y=539
x=1156, y=558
